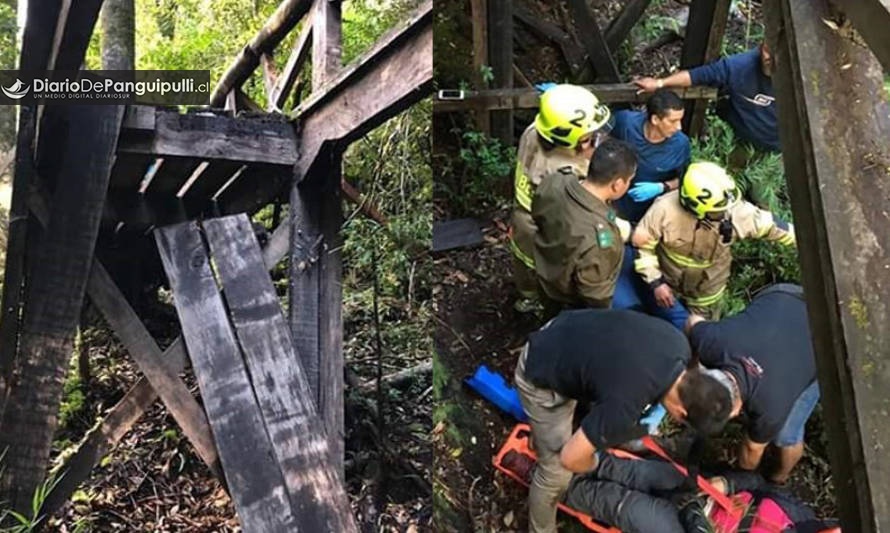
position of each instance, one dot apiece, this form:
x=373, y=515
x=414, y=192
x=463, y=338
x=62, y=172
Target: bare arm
x=677, y=79
x=578, y=454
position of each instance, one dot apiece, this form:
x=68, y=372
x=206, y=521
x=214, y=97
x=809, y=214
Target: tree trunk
x=118, y=33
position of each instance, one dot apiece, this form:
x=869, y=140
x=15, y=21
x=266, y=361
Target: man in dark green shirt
x=579, y=245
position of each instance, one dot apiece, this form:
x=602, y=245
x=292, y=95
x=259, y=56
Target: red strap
x=702, y=483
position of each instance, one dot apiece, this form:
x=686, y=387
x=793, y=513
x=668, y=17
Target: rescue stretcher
x=516, y=460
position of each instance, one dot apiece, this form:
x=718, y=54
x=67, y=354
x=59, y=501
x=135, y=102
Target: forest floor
x=474, y=293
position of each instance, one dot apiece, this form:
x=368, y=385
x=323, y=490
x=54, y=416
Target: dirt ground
x=477, y=323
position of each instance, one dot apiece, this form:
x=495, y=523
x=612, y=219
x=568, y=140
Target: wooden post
x=326, y=47
x=54, y=296
x=871, y=19
x=624, y=22
x=479, y=19
x=15, y=248
x=594, y=43
x=704, y=36
x=833, y=123
x=500, y=57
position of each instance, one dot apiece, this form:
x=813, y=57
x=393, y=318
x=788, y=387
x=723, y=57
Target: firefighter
x=578, y=247
x=683, y=242
x=569, y=124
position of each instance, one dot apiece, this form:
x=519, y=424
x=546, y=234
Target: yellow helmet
x=569, y=112
x=707, y=188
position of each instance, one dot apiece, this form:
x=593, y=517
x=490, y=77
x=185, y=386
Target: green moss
x=859, y=312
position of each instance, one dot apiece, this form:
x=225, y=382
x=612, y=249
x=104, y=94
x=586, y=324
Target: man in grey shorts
x=620, y=362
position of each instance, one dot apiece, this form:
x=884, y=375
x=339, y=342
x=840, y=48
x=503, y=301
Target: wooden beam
x=14, y=273
x=528, y=98
x=594, y=43
x=624, y=22
x=545, y=29
x=365, y=206
x=270, y=76
x=285, y=82
x=281, y=22
x=871, y=18
x=54, y=296
x=704, y=36
x=211, y=136
x=837, y=173
x=479, y=20
x=500, y=59
x=326, y=46
x=254, y=478
x=396, y=73
x=288, y=405
x=118, y=421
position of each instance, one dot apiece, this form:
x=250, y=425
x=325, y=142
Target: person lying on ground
x=619, y=361
x=766, y=354
x=651, y=495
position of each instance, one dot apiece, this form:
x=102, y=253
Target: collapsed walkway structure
x=91, y=181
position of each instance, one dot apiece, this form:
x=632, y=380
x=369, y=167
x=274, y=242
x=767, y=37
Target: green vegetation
x=478, y=180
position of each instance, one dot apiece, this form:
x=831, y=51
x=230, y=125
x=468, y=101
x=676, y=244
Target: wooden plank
x=244, y=446
x=704, y=36
x=837, y=178
x=145, y=352
x=78, y=28
x=281, y=22
x=396, y=73
x=526, y=98
x=217, y=137
x=500, y=58
x=451, y=234
x=627, y=18
x=545, y=29
x=54, y=296
x=129, y=170
x=171, y=176
x=14, y=273
x=326, y=47
x=139, y=211
x=120, y=419
x=285, y=82
x=594, y=43
x=298, y=434
x=871, y=18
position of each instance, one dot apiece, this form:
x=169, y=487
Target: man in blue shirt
x=747, y=102
x=663, y=151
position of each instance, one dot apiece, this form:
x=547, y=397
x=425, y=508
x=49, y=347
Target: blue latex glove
x=645, y=191
x=544, y=86
x=653, y=418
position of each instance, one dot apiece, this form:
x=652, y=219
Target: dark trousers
x=618, y=493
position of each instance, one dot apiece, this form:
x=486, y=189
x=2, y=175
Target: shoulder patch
x=568, y=170
x=604, y=236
